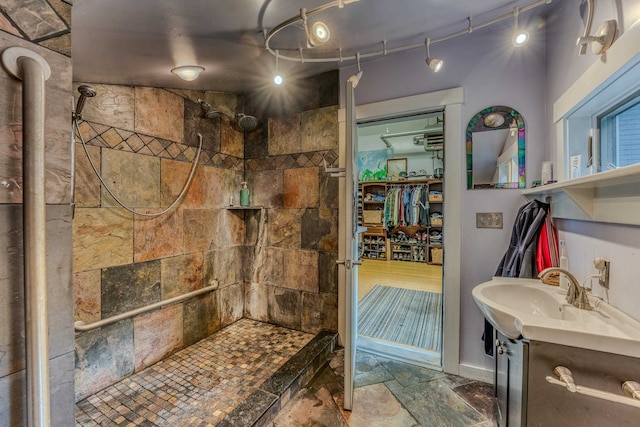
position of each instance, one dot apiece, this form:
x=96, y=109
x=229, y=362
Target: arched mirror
x=495, y=149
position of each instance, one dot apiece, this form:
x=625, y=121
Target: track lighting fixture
x=188, y=72
x=434, y=63
x=520, y=37
x=319, y=33
x=278, y=80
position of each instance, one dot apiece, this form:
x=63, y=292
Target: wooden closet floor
x=400, y=274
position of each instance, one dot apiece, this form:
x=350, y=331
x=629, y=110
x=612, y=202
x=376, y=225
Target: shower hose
x=121, y=203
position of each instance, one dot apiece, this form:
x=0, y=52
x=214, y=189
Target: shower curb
x=262, y=406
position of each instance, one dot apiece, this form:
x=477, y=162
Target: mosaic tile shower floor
x=199, y=385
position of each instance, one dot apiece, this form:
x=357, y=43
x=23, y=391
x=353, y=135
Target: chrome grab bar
x=34, y=70
x=566, y=380
x=80, y=326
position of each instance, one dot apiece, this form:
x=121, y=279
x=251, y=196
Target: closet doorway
x=401, y=204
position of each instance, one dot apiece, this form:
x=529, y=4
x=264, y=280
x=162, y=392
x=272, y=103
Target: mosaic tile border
x=293, y=161
x=103, y=136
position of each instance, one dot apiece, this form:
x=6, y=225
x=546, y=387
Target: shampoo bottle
x=564, y=263
x=244, y=194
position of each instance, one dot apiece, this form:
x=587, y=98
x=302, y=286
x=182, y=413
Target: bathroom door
x=351, y=261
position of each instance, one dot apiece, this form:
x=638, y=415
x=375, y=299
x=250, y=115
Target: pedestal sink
x=530, y=309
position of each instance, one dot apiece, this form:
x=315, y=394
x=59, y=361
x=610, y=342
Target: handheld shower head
x=245, y=122
x=85, y=92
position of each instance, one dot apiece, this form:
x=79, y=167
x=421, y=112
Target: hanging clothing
x=520, y=258
x=547, y=253
x=424, y=209
x=406, y=205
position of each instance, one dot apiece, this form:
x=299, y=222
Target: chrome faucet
x=576, y=294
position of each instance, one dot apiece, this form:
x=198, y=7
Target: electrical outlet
x=488, y=219
x=603, y=268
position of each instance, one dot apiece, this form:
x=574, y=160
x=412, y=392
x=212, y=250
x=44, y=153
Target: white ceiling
x=138, y=42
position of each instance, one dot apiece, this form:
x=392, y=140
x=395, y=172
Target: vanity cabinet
x=525, y=398
x=510, y=379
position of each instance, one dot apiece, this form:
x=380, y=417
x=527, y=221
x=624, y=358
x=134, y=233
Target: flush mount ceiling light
x=520, y=37
x=434, y=63
x=188, y=72
x=320, y=34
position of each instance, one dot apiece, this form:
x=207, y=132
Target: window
x=620, y=135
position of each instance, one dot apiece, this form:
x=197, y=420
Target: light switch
x=488, y=219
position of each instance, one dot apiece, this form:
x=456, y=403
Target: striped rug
x=402, y=316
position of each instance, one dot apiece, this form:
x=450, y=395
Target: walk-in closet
x=400, y=203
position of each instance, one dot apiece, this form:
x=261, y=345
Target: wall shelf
x=612, y=196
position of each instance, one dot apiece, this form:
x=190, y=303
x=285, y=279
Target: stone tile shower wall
x=293, y=277
x=43, y=27
x=143, y=140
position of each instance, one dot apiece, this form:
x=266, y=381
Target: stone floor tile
x=434, y=404
x=408, y=375
x=488, y=423
x=311, y=407
x=369, y=370
x=479, y=395
x=375, y=406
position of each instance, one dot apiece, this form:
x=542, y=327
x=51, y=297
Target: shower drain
x=206, y=383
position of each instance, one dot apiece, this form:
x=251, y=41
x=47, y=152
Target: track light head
x=520, y=38
x=278, y=80
x=355, y=79
x=435, y=64
x=319, y=34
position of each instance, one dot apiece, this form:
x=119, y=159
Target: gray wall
x=587, y=240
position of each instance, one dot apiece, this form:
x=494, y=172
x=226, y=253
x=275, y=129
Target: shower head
x=207, y=109
x=85, y=92
x=245, y=122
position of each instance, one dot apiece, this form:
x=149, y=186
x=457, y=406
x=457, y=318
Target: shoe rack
x=434, y=247
x=412, y=249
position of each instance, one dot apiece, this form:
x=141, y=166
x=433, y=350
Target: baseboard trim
x=475, y=373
